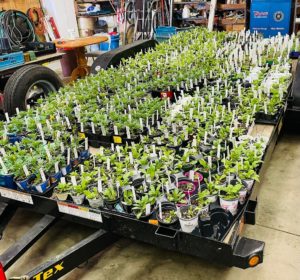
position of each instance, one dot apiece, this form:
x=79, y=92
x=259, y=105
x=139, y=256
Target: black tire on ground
x=22, y=80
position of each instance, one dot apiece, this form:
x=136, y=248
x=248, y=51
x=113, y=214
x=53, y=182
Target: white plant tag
x=116, y=132
x=160, y=211
x=133, y=193
x=130, y=158
x=75, y=153
x=56, y=167
x=219, y=151
x=100, y=189
x=86, y=143
x=128, y=132
x=192, y=175
x=25, y=169
x=7, y=117
x=3, y=166
x=148, y=209
x=108, y=163
x=209, y=161
x=68, y=156
x=73, y=180
x=43, y=175
x=63, y=180
x=93, y=128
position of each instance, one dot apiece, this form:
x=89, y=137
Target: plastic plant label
x=209, y=161
x=192, y=175
x=108, y=164
x=58, y=135
x=128, y=132
x=100, y=189
x=86, y=144
x=25, y=169
x=81, y=168
x=2, y=151
x=160, y=211
x=17, y=111
x=75, y=152
x=93, y=128
x=63, y=180
x=116, y=132
x=130, y=158
x=3, y=166
x=219, y=151
x=73, y=181
x=43, y=175
x=133, y=193
x=68, y=122
x=117, y=139
x=148, y=209
x=194, y=142
x=7, y=117
x=48, y=153
x=15, y=195
x=68, y=156
x=56, y=167
x=266, y=108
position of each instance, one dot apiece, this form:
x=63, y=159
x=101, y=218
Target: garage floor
x=278, y=224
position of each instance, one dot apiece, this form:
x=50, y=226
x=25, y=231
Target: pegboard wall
x=21, y=5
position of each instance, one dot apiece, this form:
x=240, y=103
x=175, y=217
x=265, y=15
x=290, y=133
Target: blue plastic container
x=111, y=44
x=163, y=33
x=8, y=182
x=11, y=60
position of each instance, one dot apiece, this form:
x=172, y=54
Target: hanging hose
x=36, y=16
x=17, y=28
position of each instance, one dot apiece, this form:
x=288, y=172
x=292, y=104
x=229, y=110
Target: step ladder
x=296, y=16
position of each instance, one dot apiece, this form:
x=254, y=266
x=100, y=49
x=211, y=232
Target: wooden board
x=21, y=5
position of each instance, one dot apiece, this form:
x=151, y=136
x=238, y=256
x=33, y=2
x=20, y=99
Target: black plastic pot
x=110, y=204
x=167, y=206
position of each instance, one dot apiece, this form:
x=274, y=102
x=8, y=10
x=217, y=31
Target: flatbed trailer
x=229, y=248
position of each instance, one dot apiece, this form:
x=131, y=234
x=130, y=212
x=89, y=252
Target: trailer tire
x=21, y=85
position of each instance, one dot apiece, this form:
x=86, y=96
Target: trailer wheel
x=27, y=85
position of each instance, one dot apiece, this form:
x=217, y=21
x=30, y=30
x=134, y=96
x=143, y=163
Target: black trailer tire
x=23, y=80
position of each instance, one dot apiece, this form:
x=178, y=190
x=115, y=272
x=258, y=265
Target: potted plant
x=188, y=217
x=248, y=178
x=178, y=197
x=77, y=193
x=156, y=195
x=229, y=197
x=198, y=178
x=203, y=201
x=168, y=216
x=62, y=191
x=127, y=199
x=187, y=186
x=94, y=198
x=143, y=208
x=111, y=197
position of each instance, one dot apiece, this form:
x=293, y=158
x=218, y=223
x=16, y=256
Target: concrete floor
x=277, y=224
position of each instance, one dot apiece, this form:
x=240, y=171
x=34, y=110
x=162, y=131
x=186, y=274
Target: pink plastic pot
x=196, y=181
x=187, y=192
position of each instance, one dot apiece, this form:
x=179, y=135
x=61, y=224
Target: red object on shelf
x=54, y=28
x=2, y=274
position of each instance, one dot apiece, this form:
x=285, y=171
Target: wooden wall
x=21, y=5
